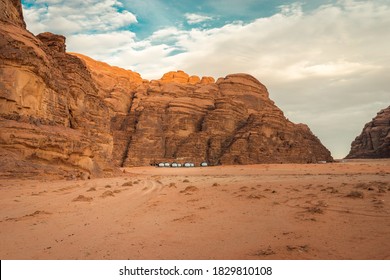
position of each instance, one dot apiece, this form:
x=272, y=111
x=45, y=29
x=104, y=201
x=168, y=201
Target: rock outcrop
x=374, y=141
x=11, y=12
x=50, y=109
x=63, y=112
x=182, y=118
x=183, y=78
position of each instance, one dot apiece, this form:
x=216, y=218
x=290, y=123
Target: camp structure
x=175, y=164
x=204, y=164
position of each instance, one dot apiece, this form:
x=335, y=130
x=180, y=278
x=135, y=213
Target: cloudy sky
x=325, y=63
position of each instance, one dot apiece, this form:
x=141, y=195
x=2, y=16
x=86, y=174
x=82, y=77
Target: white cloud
x=101, y=46
x=294, y=9
x=168, y=35
x=195, y=18
x=76, y=16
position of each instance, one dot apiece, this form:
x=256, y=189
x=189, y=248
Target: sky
x=325, y=63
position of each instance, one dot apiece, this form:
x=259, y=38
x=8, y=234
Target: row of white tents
x=175, y=164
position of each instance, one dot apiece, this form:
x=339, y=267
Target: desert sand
x=270, y=211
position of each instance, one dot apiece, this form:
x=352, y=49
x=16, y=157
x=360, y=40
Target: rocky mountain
x=65, y=113
x=374, y=141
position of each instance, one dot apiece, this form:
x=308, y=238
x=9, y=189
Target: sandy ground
x=318, y=211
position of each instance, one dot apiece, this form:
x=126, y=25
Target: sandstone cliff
x=63, y=112
x=182, y=117
x=11, y=12
x=50, y=111
x=374, y=141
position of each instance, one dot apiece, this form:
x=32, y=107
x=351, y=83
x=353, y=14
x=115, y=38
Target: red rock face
x=231, y=121
x=45, y=90
x=56, y=43
x=11, y=12
x=374, y=141
x=179, y=118
x=61, y=111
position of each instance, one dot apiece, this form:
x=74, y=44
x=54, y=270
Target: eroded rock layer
x=61, y=111
x=187, y=118
x=374, y=141
x=50, y=109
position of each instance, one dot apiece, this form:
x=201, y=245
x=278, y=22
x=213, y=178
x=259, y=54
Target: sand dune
x=317, y=211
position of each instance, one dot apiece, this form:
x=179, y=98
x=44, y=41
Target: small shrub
x=107, y=194
x=83, y=198
x=355, y=194
x=315, y=210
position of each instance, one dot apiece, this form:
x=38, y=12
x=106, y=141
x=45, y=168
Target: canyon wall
x=188, y=118
x=51, y=114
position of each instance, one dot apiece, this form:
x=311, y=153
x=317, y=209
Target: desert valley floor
x=287, y=211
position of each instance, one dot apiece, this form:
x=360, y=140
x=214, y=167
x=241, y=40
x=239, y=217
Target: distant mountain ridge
x=64, y=113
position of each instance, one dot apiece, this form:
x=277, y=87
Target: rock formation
x=51, y=113
x=61, y=112
x=187, y=118
x=11, y=12
x=374, y=141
